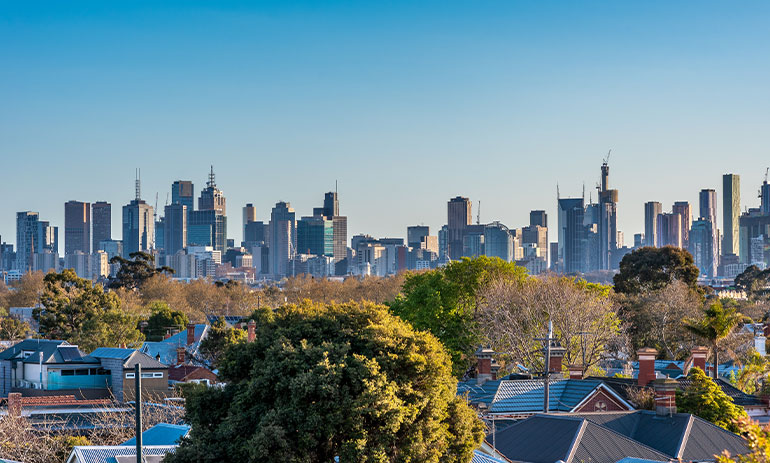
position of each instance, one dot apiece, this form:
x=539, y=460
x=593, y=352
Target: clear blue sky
x=405, y=103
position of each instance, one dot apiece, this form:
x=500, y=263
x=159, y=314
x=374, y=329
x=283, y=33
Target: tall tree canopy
x=76, y=310
x=651, y=268
x=162, y=320
x=717, y=323
x=445, y=302
x=704, y=398
x=134, y=272
x=219, y=338
x=325, y=381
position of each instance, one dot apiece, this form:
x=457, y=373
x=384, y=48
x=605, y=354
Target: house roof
x=112, y=353
x=480, y=457
x=551, y=438
x=478, y=393
x=526, y=396
x=180, y=372
x=162, y=434
x=180, y=339
x=30, y=345
x=130, y=357
x=161, y=350
x=104, y=454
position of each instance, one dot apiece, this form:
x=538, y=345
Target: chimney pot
x=699, y=355
x=665, y=396
x=180, y=355
x=484, y=365
x=575, y=371
x=14, y=404
x=190, y=333
x=252, y=331
x=557, y=354
x=646, y=358
x=168, y=334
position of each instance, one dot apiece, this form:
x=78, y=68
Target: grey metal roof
x=145, y=360
x=112, y=353
x=29, y=345
x=102, y=454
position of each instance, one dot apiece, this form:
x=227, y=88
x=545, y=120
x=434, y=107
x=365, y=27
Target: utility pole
x=138, y=405
x=546, y=373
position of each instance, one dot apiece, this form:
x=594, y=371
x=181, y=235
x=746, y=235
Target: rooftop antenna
x=335, y=188
x=478, y=214
x=211, y=182
x=138, y=184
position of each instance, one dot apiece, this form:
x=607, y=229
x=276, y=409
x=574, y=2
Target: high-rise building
x=175, y=224
x=138, y=225
x=331, y=205
x=101, y=220
x=701, y=246
x=77, y=227
x=764, y=194
x=731, y=211
x=684, y=210
x=183, y=192
x=539, y=218
x=652, y=210
x=415, y=235
x=283, y=238
x=210, y=220
x=575, y=243
x=498, y=241
x=249, y=215
x=33, y=236
x=537, y=235
x=255, y=233
x=565, y=205
x=707, y=200
x=669, y=229
x=458, y=219
x=315, y=236
x=608, y=219
x=331, y=211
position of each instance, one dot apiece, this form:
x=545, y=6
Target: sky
x=404, y=103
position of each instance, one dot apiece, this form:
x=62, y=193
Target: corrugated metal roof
x=526, y=396
x=101, y=454
x=479, y=457
x=162, y=434
x=483, y=393
x=112, y=353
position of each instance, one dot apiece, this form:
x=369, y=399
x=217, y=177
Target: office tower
x=7, y=256
x=702, y=246
x=331, y=211
x=443, y=242
x=458, y=219
x=574, y=248
x=101, y=220
x=255, y=233
x=764, y=194
x=684, y=210
x=731, y=211
x=77, y=227
x=652, y=210
x=160, y=235
x=208, y=225
x=608, y=218
x=669, y=229
x=315, y=236
x=175, y=224
x=138, y=225
x=498, y=241
x=33, y=236
x=707, y=200
x=283, y=237
x=183, y=192
x=638, y=240
x=331, y=205
x=539, y=218
x=415, y=235
x=249, y=215
x=564, y=205
x=473, y=241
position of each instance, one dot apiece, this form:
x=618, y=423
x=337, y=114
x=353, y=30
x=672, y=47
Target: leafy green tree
x=651, y=268
x=325, y=381
x=716, y=324
x=704, y=398
x=163, y=319
x=445, y=302
x=134, y=272
x=757, y=440
x=13, y=329
x=219, y=338
x=76, y=310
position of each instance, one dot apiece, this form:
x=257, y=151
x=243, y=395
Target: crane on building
x=607, y=159
x=478, y=214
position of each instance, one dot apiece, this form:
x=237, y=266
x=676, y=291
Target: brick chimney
x=575, y=371
x=646, y=356
x=14, y=404
x=665, y=396
x=168, y=334
x=557, y=354
x=251, y=331
x=190, y=333
x=180, y=355
x=484, y=364
x=699, y=355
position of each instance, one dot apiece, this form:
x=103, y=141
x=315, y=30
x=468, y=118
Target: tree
x=716, y=324
x=325, y=381
x=134, y=272
x=26, y=291
x=757, y=440
x=219, y=338
x=12, y=329
x=445, y=301
x=76, y=310
x=651, y=268
x=653, y=318
x=163, y=319
x=704, y=398
x=515, y=316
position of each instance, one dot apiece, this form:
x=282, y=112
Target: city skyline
x=389, y=101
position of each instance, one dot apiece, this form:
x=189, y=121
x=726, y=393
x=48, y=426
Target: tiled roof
x=102, y=454
x=162, y=434
x=526, y=396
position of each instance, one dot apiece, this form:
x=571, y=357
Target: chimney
x=190, y=333
x=665, y=396
x=557, y=354
x=575, y=371
x=180, y=355
x=646, y=356
x=14, y=404
x=168, y=334
x=484, y=364
x=252, y=331
x=699, y=355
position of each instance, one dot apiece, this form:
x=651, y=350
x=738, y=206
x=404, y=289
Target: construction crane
x=155, y=211
x=478, y=214
x=607, y=159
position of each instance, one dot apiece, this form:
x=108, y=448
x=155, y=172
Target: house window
x=600, y=406
x=68, y=372
x=130, y=376
x=155, y=374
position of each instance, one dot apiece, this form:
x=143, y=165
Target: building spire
x=138, y=184
x=211, y=183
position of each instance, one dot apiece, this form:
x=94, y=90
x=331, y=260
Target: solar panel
x=69, y=353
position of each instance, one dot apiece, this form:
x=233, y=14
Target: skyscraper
x=331, y=205
x=210, y=220
x=564, y=205
x=458, y=218
x=34, y=236
x=175, y=228
x=498, y=241
x=183, y=192
x=539, y=218
x=608, y=219
x=684, y=210
x=249, y=215
x=77, y=227
x=283, y=237
x=702, y=246
x=652, y=210
x=138, y=225
x=707, y=200
x=731, y=211
x=669, y=230
x=415, y=234
x=575, y=242
x=315, y=236
x=101, y=220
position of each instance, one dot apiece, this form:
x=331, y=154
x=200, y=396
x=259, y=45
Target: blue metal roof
x=181, y=337
x=479, y=457
x=112, y=353
x=483, y=393
x=162, y=434
x=526, y=396
x=166, y=351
